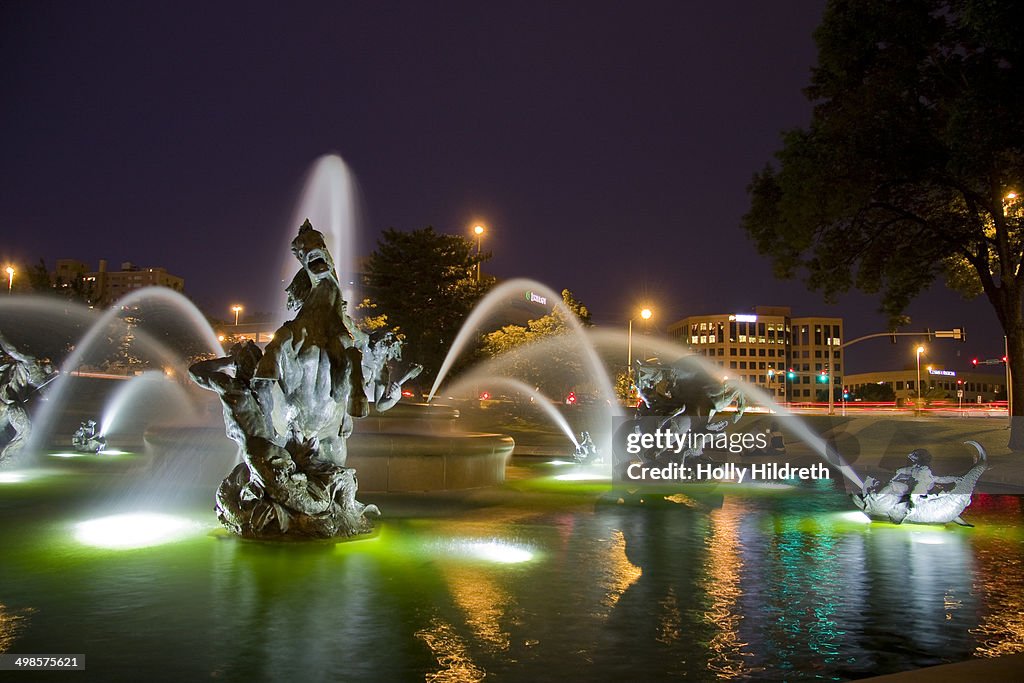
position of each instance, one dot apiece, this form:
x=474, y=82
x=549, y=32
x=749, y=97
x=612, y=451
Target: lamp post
x=646, y=314
x=478, y=230
x=10, y=279
x=917, y=403
x=237, y=309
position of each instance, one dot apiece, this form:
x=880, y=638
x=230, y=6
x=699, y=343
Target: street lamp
x=478, y=230
x=10, y=279
x=646, y=314
x=917, y=403
x=237, y=309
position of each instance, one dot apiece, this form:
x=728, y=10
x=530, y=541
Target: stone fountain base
x=410, y=448
x=251, y=512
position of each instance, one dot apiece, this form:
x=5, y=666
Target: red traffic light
x=571, y=398
x=974, y=361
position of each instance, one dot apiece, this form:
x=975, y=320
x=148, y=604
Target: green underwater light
x=583, y=476
x=139, y=530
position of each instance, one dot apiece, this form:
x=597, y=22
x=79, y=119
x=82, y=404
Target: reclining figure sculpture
x=917, y=496
x=86, y=440
x=292, y=479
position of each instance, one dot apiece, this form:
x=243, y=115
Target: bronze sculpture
x=21, y=375
x=290, y=408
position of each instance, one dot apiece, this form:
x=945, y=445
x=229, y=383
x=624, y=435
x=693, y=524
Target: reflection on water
x=10, y=624
x=794, y=596
x=1001, y=579
x=762, y=586
x=451, y=653
x=483, y=603
x=722, y=572
x=618, y=572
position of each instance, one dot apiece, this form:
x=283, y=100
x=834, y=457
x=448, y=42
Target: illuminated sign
x=536, y=299
x=743, y=318
x=944, y=373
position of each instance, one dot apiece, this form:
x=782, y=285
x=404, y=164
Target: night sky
x=606, y=146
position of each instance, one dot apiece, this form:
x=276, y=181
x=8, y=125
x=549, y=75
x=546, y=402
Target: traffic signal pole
x=957, y=333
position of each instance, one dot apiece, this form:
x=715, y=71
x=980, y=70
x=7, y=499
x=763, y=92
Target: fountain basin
x=429, y=462
x=384, y=461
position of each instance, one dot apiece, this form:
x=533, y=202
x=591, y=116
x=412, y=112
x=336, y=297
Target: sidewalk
x=1005, y=668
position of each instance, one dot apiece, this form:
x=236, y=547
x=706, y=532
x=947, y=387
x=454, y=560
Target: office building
x=788, y=357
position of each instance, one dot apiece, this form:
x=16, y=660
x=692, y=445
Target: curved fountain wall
x=418, y=448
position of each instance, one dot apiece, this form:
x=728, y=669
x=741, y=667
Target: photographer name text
x=726, y=472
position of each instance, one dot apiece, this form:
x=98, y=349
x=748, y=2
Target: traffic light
x=823, y=377
x=791, y=374
x=974, y=361
x=571, y=398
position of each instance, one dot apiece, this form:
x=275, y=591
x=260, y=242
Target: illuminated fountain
x=461, y=585
x=419, y=450
x=121, y=410
x=96, y=341
x=540, y=401
x=498, y=297
x=292, y=479
x=330, y=201
x=693, y=391
x=395, y=449
x=91, y=336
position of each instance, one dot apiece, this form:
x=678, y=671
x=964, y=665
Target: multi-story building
x=67, y=272
x=787, y=357
x=977, y=387
x=104, y=286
